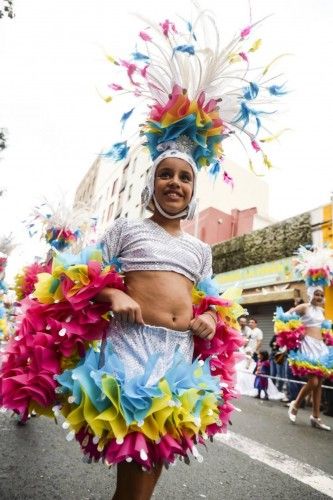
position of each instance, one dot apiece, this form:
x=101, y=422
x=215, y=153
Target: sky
x=53, y=68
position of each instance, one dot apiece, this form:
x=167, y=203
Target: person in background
x=262, y=368
x=313, y=359
x=273, y=365
x=278, y=363
x=245, y=330
x=255, y=339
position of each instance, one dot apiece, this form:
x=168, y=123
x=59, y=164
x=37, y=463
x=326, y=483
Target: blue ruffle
x=136, y=394
x=325, y=361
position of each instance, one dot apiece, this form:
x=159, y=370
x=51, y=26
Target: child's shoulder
x=123, y=222
x=198, y=243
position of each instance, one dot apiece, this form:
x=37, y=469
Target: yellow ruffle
x=162, y=417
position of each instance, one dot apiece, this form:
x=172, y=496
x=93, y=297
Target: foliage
x=264, y=245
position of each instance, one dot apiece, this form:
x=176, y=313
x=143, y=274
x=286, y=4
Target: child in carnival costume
x=161, y=380
x=306, y=333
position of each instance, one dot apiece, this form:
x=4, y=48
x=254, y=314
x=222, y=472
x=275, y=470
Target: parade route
x=264, y=457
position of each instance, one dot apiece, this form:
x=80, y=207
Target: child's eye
x=186, y=178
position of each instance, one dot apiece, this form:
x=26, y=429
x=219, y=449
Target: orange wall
x=328, y=238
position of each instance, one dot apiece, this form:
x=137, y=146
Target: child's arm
x=204, y=325
x=300, y=309
x=121, y=304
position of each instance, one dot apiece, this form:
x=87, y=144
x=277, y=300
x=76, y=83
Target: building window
x=120, y=199
x=114, y=187
x=126, y=215
x=110, y=211
x=130, y=192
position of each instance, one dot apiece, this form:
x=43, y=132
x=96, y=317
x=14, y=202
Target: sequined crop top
x=313, y=317
x=143, y=245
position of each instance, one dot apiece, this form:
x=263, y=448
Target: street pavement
x=38, y=463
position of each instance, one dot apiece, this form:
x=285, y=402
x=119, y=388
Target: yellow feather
x=256, y=45
x=267, y=162
x=110, y=59
x=273, y=62
x=274, y=136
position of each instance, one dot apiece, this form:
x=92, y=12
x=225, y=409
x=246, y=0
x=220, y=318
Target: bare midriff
x=165, y=297
x=313, y=331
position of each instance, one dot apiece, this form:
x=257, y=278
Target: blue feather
x=125, y=117
x=251, y=91
x=215, y=170
x=246, y=113
x=277, y=90
x=189, y=49
x=138, y=56
x=190, y=28
x=118, y=151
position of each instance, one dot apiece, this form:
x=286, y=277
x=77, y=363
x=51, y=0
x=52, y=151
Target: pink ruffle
x=328, y=338
x=291, y=339
x=223, y=353
x=300, y=371
x=47, y=333
x=135, y=446
x=30, y=364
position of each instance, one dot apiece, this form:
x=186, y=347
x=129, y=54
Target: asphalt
x=38, y=463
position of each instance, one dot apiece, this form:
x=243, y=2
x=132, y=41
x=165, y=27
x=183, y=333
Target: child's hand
x=124, y=306
x=203, y=326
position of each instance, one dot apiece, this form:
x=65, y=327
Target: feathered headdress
x=315, y=265
x=61, y=225
x=196, y=91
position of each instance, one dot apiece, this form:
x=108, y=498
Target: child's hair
x=264, y=355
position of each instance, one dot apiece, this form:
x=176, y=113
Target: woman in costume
x=306, y=334
x=314, y=358
x=161, y=380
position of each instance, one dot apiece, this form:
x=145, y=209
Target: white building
x=113, y=189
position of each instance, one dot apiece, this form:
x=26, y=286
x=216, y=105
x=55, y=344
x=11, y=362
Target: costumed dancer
x=196, y=100
x=306, y=333
x=162, y=379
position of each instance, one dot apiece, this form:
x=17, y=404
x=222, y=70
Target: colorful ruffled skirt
x=141, y=398
x=314, y=357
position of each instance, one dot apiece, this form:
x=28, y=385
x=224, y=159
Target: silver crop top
x=143, y=245
x=313, y=316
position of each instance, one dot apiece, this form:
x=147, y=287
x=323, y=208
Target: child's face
x=318, y=298
x=173, y=184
